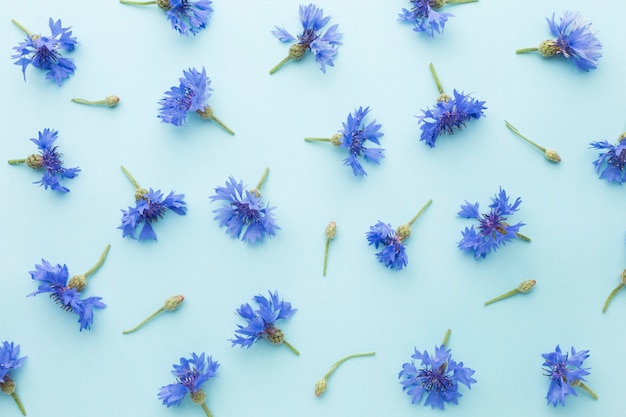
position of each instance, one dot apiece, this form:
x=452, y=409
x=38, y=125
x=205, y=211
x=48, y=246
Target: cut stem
x=130, y=178
x=318, y=139
x=460, y=1
x=420, y=212
x=262, y=180
x=514, y=130
x=16, y=161
x=587, y=389
x=526, y=50
x=153, y=315
x=99, y=263
x=502, y=297
x=22, y=28
x=138, y=3
x=610, y=297
x=291, y=348
x=436, y=78
x=326, y=255
x=446, y=338
x=280, y=64
x=522, y=237
x=18, y=402
x=83, y=101
x=222, y=125
x=206, y=410
x=339, y=362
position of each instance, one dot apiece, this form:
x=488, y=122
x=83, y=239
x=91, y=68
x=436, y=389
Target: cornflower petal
x=425, y=18
x=189, y=16
x=611, y=162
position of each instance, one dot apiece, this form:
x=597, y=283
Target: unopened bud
x=320, y=387
x=331, y=230
x=552, y=156
x=172, y=303
x=111, y=101
x=526, y=286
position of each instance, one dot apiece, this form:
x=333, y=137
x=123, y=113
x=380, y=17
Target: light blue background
x=575, y=220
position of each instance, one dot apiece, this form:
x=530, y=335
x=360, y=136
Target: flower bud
x=320, y=387
x=275, y=335
x=79, y=282
x=552, y=156
x=331, y=230
x=403, y=232
x=172, y=303
x=526, y=286
x=548, y=48
x=35, y=161
x=297, y=51
x=111, y=101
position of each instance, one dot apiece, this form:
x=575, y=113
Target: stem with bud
x=612, y=294
x=170, y=304
x=321, y=385
x=523, y=288
x=550, y=154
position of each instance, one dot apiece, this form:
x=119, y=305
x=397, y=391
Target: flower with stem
x=191, y=95
x=392, y=254
x=493, y=230
x=10, y=360
x=260, y=322
x=424, y=16
x=324, y=46
x=331, y=231
x=48, y=159
x=622, y=283
x=353, y=137
x=322, y=384
x=54, y=281
x=109, y=101
x=44, y=52
x=186, y=16
x=523, y=288
x=190, y=375
x=565, y=374
x=611, y=162
x=170, y=304
x=550, y=154
x=450, y=114
x=243, y=212
x=575, y=40
x=438, y=377
x=150, y=206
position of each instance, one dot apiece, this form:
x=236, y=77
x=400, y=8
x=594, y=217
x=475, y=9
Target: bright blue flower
x=393, y=254
x=54, y=281
x=611, y=161
x=191, y=95
x=150, y=206
x=353, y=137
x=244, y=210
x=190, y=375
x=493, y=230
x=260, y=322
x=44, y=52
x=324, y=46
x=49, y=158
x=575, y=40
x=438, y=378
x=188, y=16
x=448, y=115
x=564, y=372
x=424, y=17
x=9, y=359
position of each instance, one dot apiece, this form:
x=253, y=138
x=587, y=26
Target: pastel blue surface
x=575, y=220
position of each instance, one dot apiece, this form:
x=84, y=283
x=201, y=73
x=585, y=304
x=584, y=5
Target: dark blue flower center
x=189, y=378
x=307, y=37
x=153, y=212
x=57, y=296
x=246, y=214
x=356, y=146
x=421, y=8
x=45, y=57
x=617, y=160
x=491, y=223
x=184, y=103
x=452, y=119
x=52, y=160
x=436, y=381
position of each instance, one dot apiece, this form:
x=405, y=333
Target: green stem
x=446, y=338
x=130, y=178
x=262, y=180
x=420, y=212
x=222, y=125
x=526, y=50
x=153, y=315
x=16, y=161
x=138, y=3
x=339, y=362
x=522, y=237
x=437, y=82
x=293, y=349
x=502, y=297
x=18, y=402
x=318, y=139
x=587, y=389
x=460, y=1
x=280, y=64
x=610, y=297
x=326, y=255
x=22, y=28
x=83, y=101
x=514, y=130
x=99, y=263
x=206, y=410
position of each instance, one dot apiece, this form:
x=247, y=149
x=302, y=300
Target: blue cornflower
x=44, y=52
x=565, y=373
x=49, y=159
x=353, y=137
x=190, y=96
x=243, y=209
x=425, y=18
x=150, y=206
x=9, y=360
x=611, y=160
x=54, y=281
x=575, y=40
x=324, y=46
x=393, y=254
x=186, y=16
x=493, y=230
x=190, y=375
x=260, y=322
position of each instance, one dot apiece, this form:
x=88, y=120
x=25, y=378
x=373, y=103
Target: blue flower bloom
x=611, y=160
x=438, y=378
x=260, y=322
x=9, y=359
x=324, y=46
x=243, y=209
x=393, y=254
x=191, y=95
x=54, y=281
x=424, y=17
x=448, y=115
x=493, y=230
x=44, y=52
x=150, y=206
x=190, y=375
x=188, y=16
x=565, y=373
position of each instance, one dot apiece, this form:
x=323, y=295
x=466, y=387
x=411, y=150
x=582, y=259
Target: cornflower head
x=424, y=16
x=186, y=16
x=191, y=95
x=44, y=52
x=550, y=154
x=243, y=212
x=324, y=46
x=437, y=377
x=190, y=375
x=9, y=360
x=150, y=206
x=67, y=294
x=393, y=254
x=565, y=373
x=449, y=114
x=611, y=160
x=49, y=160
x=353, y=137
x=575, y=40
x=260, y=322
x=493, y=230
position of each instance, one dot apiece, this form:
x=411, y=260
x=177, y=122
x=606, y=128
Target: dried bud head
x=111, y=101
x=172, y=303
x=320, y=387
x=552, y=156
x=526, y=286
x=331, y=230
